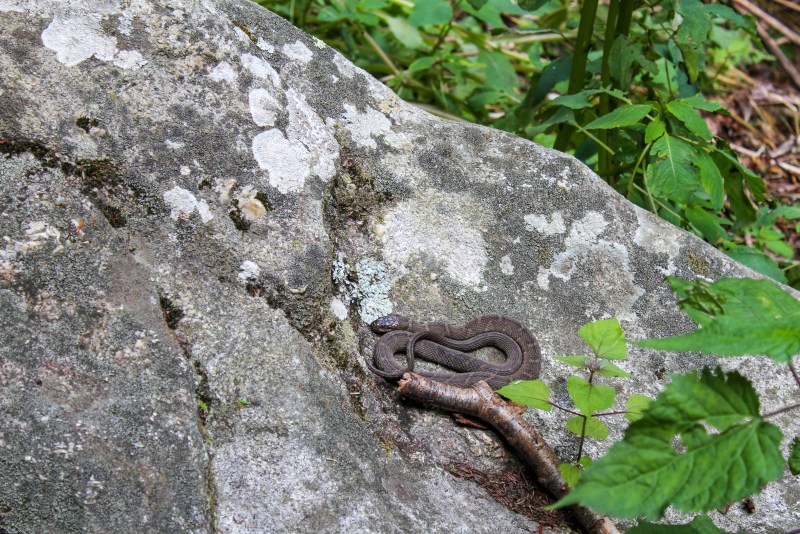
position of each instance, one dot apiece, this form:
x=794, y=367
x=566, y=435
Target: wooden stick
x=481, y=402
x=770, y=20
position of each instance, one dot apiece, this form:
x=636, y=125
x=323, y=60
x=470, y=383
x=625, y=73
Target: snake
x=447, y=345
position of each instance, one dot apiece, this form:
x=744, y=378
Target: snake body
x=447, y=345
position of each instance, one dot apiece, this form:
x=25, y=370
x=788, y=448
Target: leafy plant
x=703, y=442
x=619, y=85
x=607, y=341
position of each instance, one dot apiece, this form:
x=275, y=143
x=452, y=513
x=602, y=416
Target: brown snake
x=446, y=345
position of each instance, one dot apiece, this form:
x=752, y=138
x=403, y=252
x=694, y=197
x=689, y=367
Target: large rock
x=202, y=207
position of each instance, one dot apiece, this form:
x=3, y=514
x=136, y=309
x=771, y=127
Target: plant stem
x=583, y=438
x=794, y=373
x=603, y=158
x=579, y=59
x=782, y=410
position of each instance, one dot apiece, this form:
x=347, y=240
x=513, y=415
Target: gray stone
x=201, y=206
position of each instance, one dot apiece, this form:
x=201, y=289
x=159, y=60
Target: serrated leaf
x=477, y=4
x=690, y=118
x=595, y=428
x=609, y=369
x=749, y=317
x=758, y=261
x=644, y=473
x=578, y=360
x=794, y=457
x=429, y=12
x=636, y=405
x=620, y=117
x=699, y=525
x=673, y=176
x=590, y=398
x=606, y=338
x=654, y=130
x=533, y=393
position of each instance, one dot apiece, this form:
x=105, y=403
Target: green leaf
x=404, y=32
x=606, y=338
x=571, y=473
x=710, y=179
x=422, y=63
x=673, y=176
x=429, y=12
x=620, y=117
x=654, y=130
x=477, y=4
x=781, y=248
x=709, y=224
x=533, y=393
x=499, y=70
x=636, y=405
x=595, y=428
x=578, y=360
x=609, y=369
x=645, y=472
x=699, y=102
x=758, y=261
x=794, y=457
x=589, y=398
x=690, y=118
x=699, y=525
x=738, y=316
x=531, y=5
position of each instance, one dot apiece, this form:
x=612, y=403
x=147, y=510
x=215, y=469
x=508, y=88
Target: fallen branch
x=774, y=48
x=481, y=402
x=770, y=20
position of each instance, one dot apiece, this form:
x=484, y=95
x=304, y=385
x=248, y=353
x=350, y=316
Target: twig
x=770, y=20
x=790, y=5
x=787, y=65
x=481, y=402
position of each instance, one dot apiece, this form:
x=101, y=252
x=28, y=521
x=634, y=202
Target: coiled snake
x=446, y=345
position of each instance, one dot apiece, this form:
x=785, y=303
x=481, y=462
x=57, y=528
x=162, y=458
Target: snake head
x=388, y=323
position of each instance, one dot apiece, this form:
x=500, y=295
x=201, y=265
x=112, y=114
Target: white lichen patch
x=372, y=290
x=184, y=203
x=37, y=235
x=363, y=127
x=306, y=126
x=601, y=266
x=265, y=46
x=539, y=223
x=223, y=72
x=338, y=308
x=79, y=38
x=446, y=228
x=287, y=162
x=249, y=271
x=657, y=237
x=506, y=267
x=260, y=68
x=129, y=60
x=297, y=51
x=346, y=68
x=264, y=108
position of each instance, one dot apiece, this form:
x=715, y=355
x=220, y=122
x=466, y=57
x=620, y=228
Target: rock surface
x=201, y=209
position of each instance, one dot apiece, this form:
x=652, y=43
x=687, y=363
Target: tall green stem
x=603, y=157
x=579, y=60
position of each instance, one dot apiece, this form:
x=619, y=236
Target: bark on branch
x=481, y=402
